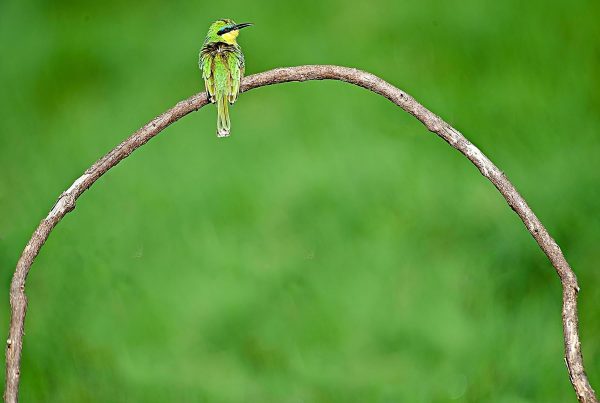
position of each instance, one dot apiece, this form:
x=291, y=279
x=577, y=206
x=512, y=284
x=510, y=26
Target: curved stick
x=66, y=203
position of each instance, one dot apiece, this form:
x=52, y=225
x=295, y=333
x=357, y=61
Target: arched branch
x=66, y=203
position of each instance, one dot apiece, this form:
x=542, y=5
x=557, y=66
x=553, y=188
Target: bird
x=222, y=65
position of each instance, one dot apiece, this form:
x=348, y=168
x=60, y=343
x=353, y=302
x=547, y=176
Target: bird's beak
x=242, y=25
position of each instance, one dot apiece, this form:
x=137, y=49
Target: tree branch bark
x=67, y=199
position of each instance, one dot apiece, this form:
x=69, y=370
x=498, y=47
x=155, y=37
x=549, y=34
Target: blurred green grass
x=332, y=250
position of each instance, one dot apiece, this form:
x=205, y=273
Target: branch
x=66, y=203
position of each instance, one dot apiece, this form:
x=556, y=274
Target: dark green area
x=331, y=250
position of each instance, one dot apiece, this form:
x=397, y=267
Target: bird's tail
x=223, y=123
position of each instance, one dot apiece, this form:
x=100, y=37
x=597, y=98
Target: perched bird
x=222, y=66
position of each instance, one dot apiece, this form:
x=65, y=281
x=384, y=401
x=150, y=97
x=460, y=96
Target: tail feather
x=223, y=123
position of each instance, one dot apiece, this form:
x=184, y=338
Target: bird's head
x=225, y=31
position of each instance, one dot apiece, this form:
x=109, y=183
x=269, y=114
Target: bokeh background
x=331, y=250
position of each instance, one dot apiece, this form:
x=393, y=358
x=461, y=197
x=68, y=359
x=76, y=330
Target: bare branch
x=66, y=203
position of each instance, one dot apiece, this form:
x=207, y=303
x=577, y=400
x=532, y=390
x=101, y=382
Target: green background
x=332, y=249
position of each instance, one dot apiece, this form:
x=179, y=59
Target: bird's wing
x=236, y=67
x=207, y=66
x=242, y=63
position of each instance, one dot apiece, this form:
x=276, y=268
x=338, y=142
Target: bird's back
x=222, y=66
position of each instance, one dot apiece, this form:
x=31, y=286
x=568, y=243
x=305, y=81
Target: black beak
x=242, y=25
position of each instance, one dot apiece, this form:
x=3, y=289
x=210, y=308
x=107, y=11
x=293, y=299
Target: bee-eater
x=222, y=66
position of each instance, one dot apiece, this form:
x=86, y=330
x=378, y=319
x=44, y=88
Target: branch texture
x=66, y=203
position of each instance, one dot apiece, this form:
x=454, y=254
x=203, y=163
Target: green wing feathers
x=236, y=67
x=206, y=65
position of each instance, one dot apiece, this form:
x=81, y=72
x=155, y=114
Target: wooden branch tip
x=66, y=203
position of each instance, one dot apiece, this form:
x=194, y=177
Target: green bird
x=222, y=66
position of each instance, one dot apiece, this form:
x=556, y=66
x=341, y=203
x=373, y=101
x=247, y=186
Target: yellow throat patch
x=230, y=36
